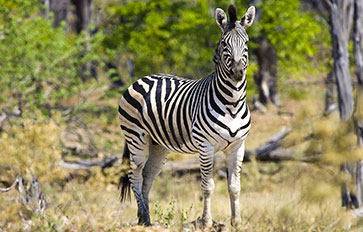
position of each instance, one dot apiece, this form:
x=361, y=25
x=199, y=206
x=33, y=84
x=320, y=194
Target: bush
x=30, y=146
x=40, y=65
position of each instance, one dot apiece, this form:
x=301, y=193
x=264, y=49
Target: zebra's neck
x=234, y=92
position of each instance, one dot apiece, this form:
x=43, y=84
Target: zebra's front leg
x=234, y=165
x=206, y=153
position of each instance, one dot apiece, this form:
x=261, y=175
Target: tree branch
x=328, y=3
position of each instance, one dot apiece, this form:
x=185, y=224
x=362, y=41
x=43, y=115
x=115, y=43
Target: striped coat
x=162, y=113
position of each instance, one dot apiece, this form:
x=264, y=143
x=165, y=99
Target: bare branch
x=12, y=186
x=107, y=162
x=328, y=3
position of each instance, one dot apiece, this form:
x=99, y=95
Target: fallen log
x=106, y=162
x=269, y=152
x=187, y=165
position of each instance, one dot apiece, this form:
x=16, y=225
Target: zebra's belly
x=176, y=137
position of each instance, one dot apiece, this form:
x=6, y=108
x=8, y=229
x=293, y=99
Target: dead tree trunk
x=358, y=39
x=46, y=9
x=266, y=77
x=61, y=9
x=84, y=11
x=341, y=20
x=324, y=10
x=358, y=114
x=330, y=96
x=341, y=14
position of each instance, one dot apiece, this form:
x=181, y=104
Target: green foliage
x=40, y=64
x=165, y=218
x=165, y=36
x=180, y=36
x=185, y=215
x=296, y=35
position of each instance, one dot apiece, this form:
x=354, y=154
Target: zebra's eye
x=246, y=43
x=224, y=44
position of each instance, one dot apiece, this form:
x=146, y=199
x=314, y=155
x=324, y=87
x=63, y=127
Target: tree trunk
x=358, y=114
x=341, y=18
x=341, y=13
x=323, y=8
x=330, y=96
x=84, y=11
x=358, y=40
x=359, y=182
x=61, y=10
x=266, y=77
x=46, y=9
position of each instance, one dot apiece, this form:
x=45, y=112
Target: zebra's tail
x=125, y=183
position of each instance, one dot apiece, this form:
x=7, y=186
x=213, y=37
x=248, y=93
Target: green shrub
x=40, y=65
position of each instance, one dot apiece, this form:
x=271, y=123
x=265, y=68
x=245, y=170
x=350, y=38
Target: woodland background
x=64, y=65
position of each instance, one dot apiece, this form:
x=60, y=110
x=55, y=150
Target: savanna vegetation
x=65, y=64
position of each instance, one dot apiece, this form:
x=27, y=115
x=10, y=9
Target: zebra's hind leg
x=138, y=152
x=153, y=166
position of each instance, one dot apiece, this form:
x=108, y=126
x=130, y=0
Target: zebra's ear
x=248, y=18
x=221, y=18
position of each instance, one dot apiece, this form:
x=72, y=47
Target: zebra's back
x=161, y=106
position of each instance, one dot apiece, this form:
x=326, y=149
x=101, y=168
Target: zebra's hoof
x=197, y=225
x=236, y=222
x=205, y=222
x=144, y=222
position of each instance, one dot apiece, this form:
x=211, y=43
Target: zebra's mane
x=232, y=12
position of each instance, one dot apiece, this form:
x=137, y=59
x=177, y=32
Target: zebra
x=163, y=113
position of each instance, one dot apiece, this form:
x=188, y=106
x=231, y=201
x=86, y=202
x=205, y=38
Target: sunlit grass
x=286, y=196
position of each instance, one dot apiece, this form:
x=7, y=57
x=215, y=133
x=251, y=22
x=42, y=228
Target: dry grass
x=280, y=197
x=289, y=196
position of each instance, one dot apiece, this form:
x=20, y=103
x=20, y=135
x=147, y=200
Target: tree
x=179, y=37
x=341, y=16
x=40, y=64
x=61, y=11
x=83, y=13
x=284, y=41
x=266, y=77
x=176, y=37
x=341, y=19
x=358, y=115
x=341, y=13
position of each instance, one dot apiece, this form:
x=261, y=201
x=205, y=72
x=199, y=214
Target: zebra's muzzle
x=237, y=71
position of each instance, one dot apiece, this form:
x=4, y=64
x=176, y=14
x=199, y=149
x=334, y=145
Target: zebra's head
x=232, y=51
